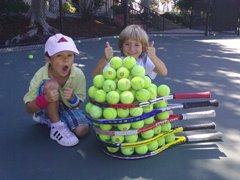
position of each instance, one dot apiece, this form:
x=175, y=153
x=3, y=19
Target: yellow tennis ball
x=129, y=62
x=91, y=91
x=105, y=127
x=112, y=97
x=147, y=134
x=166, y=127
x=170, y=138
x=100, y=95
x=142, y=95
x=117, y=139
x=147, y=81
x=143, y=149
x=163, y=90
x=122, y=113
x=149, y=120
x=98, y=81
x=127, y=151
x=153, y=146
x=104, y=137
x=148, y=108
x=109, y=85
x=124, y=127
x=109, y=113
x=137, y=124
x=30, y=57
x=122, y=72
x=163, y=115
x=161, y=142
x=88, y=106
x=126, y=97
x=161, y=104
x=137, y=83
x=124, y=84
x=157, y=129
x=95, y=111
x=138, y=70
x=116, y=62
x=137, y=111
x=112, y=149
x=109, y=73
x=131, y=138
x=153, y=92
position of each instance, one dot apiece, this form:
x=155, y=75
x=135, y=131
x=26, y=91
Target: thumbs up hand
x=151, y=51
x=108, y=51
x=68, y=92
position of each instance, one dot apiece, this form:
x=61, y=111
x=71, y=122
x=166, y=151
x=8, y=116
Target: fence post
x=125, y=6
x=60, y=16
x=207, y=19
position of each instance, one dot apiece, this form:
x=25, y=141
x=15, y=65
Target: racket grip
x=211, y=125
x=200, y=114
x=206, y=94
x=217, y=136
x=188, y=105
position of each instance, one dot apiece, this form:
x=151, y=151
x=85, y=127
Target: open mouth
x=65, y=69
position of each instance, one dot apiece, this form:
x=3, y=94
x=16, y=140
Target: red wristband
x=41, y=102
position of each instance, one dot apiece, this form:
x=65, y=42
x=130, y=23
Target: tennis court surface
x=195, y=63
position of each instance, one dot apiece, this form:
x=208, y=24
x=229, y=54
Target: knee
x=81, y=131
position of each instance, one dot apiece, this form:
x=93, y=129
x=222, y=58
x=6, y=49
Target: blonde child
x=56, y=91
x=133, y=41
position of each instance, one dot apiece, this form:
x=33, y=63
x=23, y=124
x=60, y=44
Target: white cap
x=58, y=43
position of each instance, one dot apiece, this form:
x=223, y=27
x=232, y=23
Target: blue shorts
x=73, y=117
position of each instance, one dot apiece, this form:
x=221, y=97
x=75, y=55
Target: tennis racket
x=186, y=105
x=179, y=129
x=191, y=95
x=172, y=118
x=209, y=137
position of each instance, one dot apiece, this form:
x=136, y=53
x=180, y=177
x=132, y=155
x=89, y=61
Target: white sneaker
x=63, y=135
x=37, y=118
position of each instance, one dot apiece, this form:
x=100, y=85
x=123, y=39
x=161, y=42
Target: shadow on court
x=194, y=64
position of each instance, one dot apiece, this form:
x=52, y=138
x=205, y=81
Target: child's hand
x=108, y=51
x=68, y=93
x=51, y=95
x=151, y=51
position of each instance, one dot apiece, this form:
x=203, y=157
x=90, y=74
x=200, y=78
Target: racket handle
x=188, y=105
x=211, y=125
x=206, y=94
x=217, y=136
x=200, y=114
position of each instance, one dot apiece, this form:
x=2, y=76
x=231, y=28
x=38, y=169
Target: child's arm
x=160, y=67
x=108, y=54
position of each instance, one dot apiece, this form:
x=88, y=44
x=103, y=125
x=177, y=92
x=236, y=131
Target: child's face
x=61, y=63
x=132, y=48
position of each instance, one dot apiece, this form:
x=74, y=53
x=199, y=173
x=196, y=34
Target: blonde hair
x=134, y=32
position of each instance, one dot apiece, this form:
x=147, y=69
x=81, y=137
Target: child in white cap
x=56, y=91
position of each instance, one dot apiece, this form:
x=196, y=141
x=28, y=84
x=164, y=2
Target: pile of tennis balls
x=125, y=82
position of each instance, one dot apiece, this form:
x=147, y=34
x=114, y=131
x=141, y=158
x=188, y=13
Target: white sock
x=55, y=124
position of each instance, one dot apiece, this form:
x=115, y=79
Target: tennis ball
x=91, y=91
x=109, y=85
x=129, y=62
x=170, y=138
x=147, y=134
x=122, y=113
x=95, y=111
x=161, y=142
x=163, y=90
x=109, y=73
x=138, y=70
x=137, y=83
x=137, y=124
x=143, y=149
x=148, y=108
x=127, y=151
x=100, y=95
x=112, y=97
x=122, y=72
x=98, y=80
x=88, y=106
x=147, y=81
x=117, y=139
x=142, y=95
x=112, y=149
x=105, y=127
x=137, y=111
x=126, y=97
x=152, y=146
x=157, y=130
x=152, y=85
x=161, y=104
x=124, y=127
x=166, y=127
x=124, y=84
x=30, y=57
x=131, y=138
x=116, y=62
x=109, y=113
x=163, y=115
x=153, y=92
x=104, y=137
x=149, y=120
